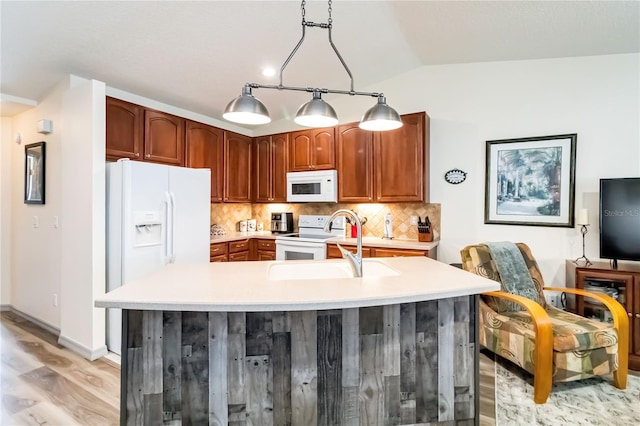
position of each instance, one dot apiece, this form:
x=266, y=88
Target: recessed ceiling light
x=268, y=71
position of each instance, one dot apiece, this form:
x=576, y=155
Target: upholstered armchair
x=552, y=344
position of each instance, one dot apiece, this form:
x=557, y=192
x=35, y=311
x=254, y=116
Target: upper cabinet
x=205, y=149
x=237, y=168
x=383, y=166
x=138, y=133
x=125, y=128
x=163, y=138
x=271, y=161
x=312, y=149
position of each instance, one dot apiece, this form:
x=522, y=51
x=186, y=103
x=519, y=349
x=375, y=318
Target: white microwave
x=320, y=186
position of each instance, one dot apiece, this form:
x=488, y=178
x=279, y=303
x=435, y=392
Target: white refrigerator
x=156, y=215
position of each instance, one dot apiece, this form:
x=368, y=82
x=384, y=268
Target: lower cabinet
x=219, y=252
x=333, y=252
x=243, y=250
x=263, y=249
x=234, y=251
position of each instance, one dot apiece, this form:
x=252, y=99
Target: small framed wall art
x=34, y=173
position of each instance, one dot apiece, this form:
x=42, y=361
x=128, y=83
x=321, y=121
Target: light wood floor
x=44, y=383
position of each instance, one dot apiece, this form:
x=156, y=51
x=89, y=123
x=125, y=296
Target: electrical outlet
x=56, y=222
x=55, y=300
x=36, y=222
x=553, y=299
x=414, y=220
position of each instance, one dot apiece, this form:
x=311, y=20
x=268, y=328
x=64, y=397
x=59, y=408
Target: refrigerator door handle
x=173, y=228
x=168, y=225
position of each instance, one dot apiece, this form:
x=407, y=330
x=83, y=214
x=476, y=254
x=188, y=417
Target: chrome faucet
x=355, y=260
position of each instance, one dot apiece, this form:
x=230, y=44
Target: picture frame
x=35, y=156
x=531, y=181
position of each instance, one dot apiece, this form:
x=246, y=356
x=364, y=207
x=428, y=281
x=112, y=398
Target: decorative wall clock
x=455, y=176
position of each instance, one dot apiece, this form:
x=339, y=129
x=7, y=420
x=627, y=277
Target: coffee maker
x=282, y=222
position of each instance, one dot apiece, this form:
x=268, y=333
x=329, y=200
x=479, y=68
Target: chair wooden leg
x=542, y=377
x=620, y=375
x=543, y=368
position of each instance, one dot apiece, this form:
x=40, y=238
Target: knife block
x=425, y=237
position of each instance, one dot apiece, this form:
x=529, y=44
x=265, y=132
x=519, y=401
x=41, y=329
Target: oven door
x=300, y=250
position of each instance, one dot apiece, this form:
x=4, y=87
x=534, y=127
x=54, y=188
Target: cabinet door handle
x=137, y=154
x=147, y=156
x=637, y=315
x=629, y=314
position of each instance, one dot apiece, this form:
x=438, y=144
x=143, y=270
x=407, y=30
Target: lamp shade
x=316, y=113
x=381, y=117
x=246, y=109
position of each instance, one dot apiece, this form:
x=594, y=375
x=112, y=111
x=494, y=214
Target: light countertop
x=236, y=236
x=383, y=242
x=366, y=241
x=245, y=286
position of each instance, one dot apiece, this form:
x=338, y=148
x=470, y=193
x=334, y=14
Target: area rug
x=586, y=402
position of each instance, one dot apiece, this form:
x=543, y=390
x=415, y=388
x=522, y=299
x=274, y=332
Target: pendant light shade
x=246, y=109
x=316, y=113
x=381, y=117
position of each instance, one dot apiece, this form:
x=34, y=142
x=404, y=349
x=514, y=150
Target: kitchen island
x=265, y=343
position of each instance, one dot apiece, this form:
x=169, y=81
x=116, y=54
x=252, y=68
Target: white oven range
x=310, y=241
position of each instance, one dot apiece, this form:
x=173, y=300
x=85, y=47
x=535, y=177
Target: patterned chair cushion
x=511, y=336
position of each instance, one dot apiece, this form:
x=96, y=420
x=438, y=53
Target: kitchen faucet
x=354, y=260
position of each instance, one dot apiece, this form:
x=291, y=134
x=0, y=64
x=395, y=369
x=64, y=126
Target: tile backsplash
x=228, y=215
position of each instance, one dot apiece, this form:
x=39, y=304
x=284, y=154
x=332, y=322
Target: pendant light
x=380, y=117
x=246, y=109
x=316, y=113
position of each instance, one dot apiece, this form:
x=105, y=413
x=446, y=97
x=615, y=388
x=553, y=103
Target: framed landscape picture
x=34, y=173
x=531, y=181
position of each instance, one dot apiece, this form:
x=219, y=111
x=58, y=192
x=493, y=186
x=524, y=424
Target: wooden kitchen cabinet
x=312, y=149
x=334, y=252
x=271, y=162
x=239, y=251
x=625, y=281
x=218, y=252
x=383, y=166
x=232, y=251
x=399, y=161
x=163, y=138
x=205, y=149
x=263, y=249
x=124, y=130
x=354, y=164
x=237, y=168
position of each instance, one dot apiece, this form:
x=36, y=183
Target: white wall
x=64, y=262
x=596, y=97
x=35, y=252
x=83, y=210
x=6, y=140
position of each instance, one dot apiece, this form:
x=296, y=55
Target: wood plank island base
x=410, y=360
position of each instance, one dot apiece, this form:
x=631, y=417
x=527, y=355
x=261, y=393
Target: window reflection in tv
x=620, y=219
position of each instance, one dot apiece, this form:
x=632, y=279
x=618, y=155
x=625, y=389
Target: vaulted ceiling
x=198, y=55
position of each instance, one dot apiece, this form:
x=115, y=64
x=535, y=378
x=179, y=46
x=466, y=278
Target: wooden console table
x=624, y=281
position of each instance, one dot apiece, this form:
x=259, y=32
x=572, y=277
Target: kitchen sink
x=315, y=270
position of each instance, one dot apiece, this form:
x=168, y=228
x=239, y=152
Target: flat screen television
x=620, y=219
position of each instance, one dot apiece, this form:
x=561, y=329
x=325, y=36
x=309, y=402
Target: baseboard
x=90, y=354
x=36, y=321
x=5, y=307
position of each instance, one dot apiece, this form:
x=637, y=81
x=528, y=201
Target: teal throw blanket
x=514, y=274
